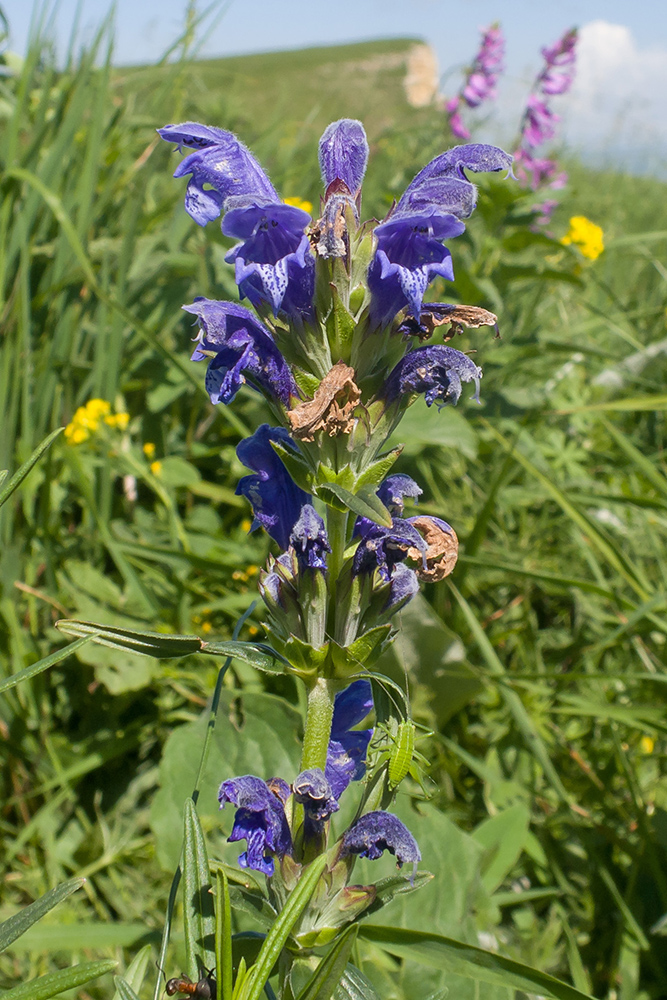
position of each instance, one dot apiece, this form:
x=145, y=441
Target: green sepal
x=344, y=477
x=306, y=382
x=364, y=651
x=340, y=326
x=361, y=258
x=296, y=465
x=305, y=660
x=373, y=475
x=364, y=503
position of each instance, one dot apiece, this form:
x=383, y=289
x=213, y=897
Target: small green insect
x=402, y=752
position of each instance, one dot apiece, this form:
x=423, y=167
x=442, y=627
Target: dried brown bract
x=442, y=551
x=332, y=407
x=457, y=316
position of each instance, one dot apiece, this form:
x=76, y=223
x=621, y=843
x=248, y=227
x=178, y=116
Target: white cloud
x=618, y=103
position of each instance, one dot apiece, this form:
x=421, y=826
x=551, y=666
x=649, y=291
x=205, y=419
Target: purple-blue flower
x=437, y=371
x=343, y=154
x=403, y=586
x=243, y=349
x=410, y=251
x=346, y=753
x=382, y=548
x=273, y=263
x=393, y=491
x=376, y=832
x=275, y=498
x=309, y=539
x=221, y=161
x=260, y=819
x=313, y=791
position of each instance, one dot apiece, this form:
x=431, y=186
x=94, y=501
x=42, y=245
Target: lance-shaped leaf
x=21, y=473
x=277, y=937
x=54, y=983
x=198, y=915
x=18, y=924
x=157, y=644
x=257, y=654
x=330, y=970
x=463, y=959
x=364, y=503
x=44, y=664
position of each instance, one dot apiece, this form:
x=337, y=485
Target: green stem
x=318, y=723
x=337, y=534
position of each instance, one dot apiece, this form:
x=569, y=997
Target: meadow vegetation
x=541, y=667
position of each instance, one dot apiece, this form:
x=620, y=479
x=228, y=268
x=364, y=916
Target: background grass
x=541, y=670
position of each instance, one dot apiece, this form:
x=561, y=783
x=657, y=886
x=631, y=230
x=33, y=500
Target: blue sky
x=619, y=105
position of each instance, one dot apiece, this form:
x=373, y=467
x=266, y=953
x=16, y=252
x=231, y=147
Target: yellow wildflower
x=253, y=630
x=86, y=420
x=119, y=420
x=297, y=202
x=647, y=744
x=586, y=236
x=252, y=570
x=206, y=628
x=156, y=468
x=149, y=450
x=246, y=524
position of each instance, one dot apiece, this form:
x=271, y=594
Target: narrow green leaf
x=277, y=936
x=638, y=403
x=18, y=924
x=54, y=983
x=223, y=936
x=257, y=654
x=158, y=644
x=44, y=664
x=364, y=503
x=198, y=912
x=330, y=970
x=123, y=990
x=21, y=473
x=354, y=986
x=397, y=885
x=463, y=959
x=134, y=974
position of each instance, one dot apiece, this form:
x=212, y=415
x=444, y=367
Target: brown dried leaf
x=331, y=408
x=457, y=316
x=442, y=551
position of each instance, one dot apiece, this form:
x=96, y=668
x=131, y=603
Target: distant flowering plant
x=335, y=337
x=480, y=80
x=540, y=121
